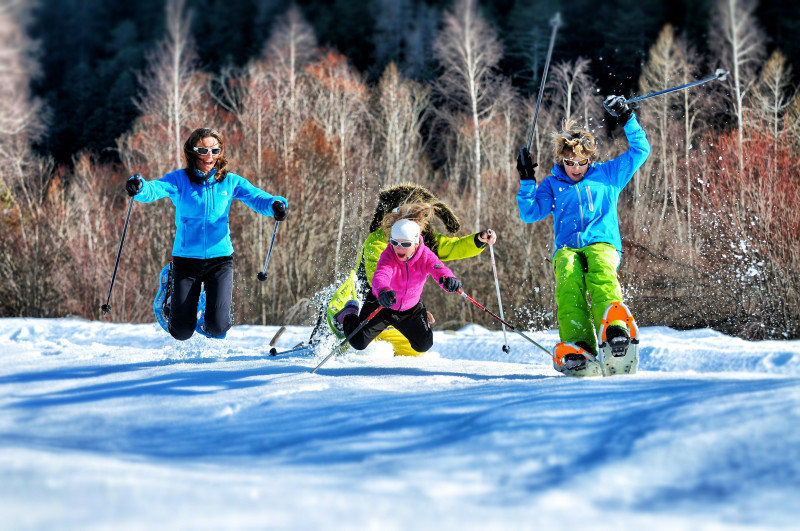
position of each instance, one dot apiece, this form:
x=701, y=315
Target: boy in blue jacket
x=202, y=253
x=582, y=197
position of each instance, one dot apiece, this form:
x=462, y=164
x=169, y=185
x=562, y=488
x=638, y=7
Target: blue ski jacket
x=585, y=212
x=201, y=209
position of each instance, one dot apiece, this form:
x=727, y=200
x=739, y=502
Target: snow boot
x=573, y=360
x=351, y=307
x=618, y=348
x=163, y=298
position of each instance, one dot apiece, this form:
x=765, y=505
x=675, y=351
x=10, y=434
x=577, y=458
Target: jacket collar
x=416, y=254
x=200, y=176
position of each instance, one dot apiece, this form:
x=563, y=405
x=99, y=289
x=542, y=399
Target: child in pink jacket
x=402, y=270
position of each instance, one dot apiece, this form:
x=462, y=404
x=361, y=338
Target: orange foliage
x=750, y=224
x=763, y=200
x=333, y=72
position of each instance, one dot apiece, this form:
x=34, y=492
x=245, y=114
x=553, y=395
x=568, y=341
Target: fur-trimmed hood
x=391, y=198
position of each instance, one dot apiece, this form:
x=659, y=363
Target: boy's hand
x=525, y=165
x=617, y=106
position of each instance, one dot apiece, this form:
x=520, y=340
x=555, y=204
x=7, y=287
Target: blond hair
x=573, y=140
x=419, y=213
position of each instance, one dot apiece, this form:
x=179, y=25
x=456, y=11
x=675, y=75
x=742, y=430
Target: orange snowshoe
x=573, y=360
x=618, y=348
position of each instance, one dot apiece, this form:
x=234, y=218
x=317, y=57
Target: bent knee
x=181, y=334
x=359, y=343
x=217, y=331
x=422, y=346
x=181, y=327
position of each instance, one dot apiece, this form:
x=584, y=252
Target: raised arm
x=257, y=199
x=150, y=191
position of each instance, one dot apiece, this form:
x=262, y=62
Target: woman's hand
x=279, y=211
x=134, y=185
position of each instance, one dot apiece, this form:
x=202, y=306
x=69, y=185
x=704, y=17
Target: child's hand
x=387, y=298
x=525, y=165
x=488, y=236
x=616, y=106
x=450, y=284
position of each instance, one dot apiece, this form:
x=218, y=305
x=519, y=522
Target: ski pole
x=107, y=307
x=353, y=333
x=555, y=22
x=473, y=301
x=720, y=74
x=506, y=347
x=262, y=276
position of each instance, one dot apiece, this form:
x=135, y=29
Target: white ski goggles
x=205, y=150
x=396, y=243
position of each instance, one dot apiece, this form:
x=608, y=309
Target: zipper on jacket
x=580, y=211
x=405, y=291
x=208, y=217
x=589, y=196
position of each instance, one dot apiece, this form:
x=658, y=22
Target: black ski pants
x=216, y=274
x=412, y=323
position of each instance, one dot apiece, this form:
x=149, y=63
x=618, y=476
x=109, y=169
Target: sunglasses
x=570, y=162
x=396, y=243
x=204, y=150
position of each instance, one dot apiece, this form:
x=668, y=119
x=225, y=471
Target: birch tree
x=291, y=47
x=574, y=91
x=29, y=235
x=468, y=51
x=170, y=101
x=340, y=109
x=20, y=113
x=269, y=97
x=660, y=72
x=773, y=94
x=246, y=93
x=400, y=108
x=739, y=42
x=171, y=106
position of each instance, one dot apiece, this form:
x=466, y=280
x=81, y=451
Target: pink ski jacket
x=407, y=278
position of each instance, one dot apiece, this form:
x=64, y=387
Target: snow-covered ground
x=117, y=426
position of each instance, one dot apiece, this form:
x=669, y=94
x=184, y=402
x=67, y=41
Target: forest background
x=328, y=102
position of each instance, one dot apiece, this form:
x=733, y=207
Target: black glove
x=525, y=165
x=279, y=210
x=134, y=185
x=387, y=297
x=617, y=106
x=450, y=284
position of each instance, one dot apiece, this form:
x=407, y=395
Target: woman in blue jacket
x=202, y=253
x=582, y=197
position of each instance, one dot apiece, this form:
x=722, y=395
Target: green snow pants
x=593, y=270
